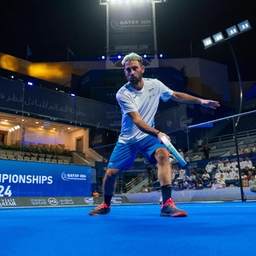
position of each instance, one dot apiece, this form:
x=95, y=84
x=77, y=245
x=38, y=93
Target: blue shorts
x=123, y=155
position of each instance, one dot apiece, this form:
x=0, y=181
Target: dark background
x=49, y=27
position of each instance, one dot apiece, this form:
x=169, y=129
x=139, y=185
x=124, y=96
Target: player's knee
x=111, y=173
x=162, y=155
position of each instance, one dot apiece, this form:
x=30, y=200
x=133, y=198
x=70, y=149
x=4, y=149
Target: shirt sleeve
x=126, y=103
x=165, y=92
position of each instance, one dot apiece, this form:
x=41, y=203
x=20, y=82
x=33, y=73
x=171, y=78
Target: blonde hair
x=131, y=56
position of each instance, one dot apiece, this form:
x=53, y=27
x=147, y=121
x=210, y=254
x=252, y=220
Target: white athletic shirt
x=145, y=101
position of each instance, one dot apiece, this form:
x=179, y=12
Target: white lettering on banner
x=131, y=47
x=5, y=192
x=186, y=105
x=115, y=124
x=27, y=179
x=207, y=111
x=66, y=201
x=7, y=202
x=72, y=176
x=139, y=159
x=41, y=104
x=38, y=201
x=97, y=140
x=116, y=200
x=113, y=114
x=118, y=24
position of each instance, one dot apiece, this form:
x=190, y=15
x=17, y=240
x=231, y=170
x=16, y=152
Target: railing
x=93, y=155
x=80, y=160
x=225, y=137
x=136, y=181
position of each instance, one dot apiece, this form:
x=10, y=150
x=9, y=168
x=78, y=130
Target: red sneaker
x=169, y=209
x=100, y=210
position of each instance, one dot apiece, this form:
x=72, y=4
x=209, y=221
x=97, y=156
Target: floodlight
x=218, y=37
x=244, y=26
x=72, y=94
x=208, y=42
x=30, y=83
x=232, y=31
x=160, y=55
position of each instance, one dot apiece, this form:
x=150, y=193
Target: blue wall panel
x=22, y=179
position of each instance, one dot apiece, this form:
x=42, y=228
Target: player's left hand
x=210, y=104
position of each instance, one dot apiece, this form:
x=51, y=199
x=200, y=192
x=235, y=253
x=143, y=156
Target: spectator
x=243, y=176
x=234, y=153
x=182, y=173
x=144, y=189
x=222, y=178
x=252, y=180
x=150, y=185
x=176, y=185
x=186, y=184
x=220, y=165
x=232, y=172
x=217, y=185
x=206, y=151
x=249, y=175
x=181, y=153
x=95, y=193
x=200, y=184
x=228, y=175
x=217, y=174
x=209, y=167
x=233, y=163
x=193, y=175
x=206, y=176
x=247, y=162
x=241, y=163
x=247, y=149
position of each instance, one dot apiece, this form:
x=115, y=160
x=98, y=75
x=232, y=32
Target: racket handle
x=173, y=150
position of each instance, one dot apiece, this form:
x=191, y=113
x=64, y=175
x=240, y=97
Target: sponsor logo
x=53, y=201
x=5, y=202
x=119, y=24
x=186, y=105
x=66, y=201
x=116, y=200
x=169, y=123
x=89, y=200
x=73, y=176
x=38, y=201
x=207, y=111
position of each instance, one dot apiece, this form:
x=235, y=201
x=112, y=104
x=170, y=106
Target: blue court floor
x=209, y=229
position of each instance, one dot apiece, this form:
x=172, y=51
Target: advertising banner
x=29, y=179
x=131, y=29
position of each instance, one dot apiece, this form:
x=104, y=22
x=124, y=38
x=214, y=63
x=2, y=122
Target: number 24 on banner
x=5, y=192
